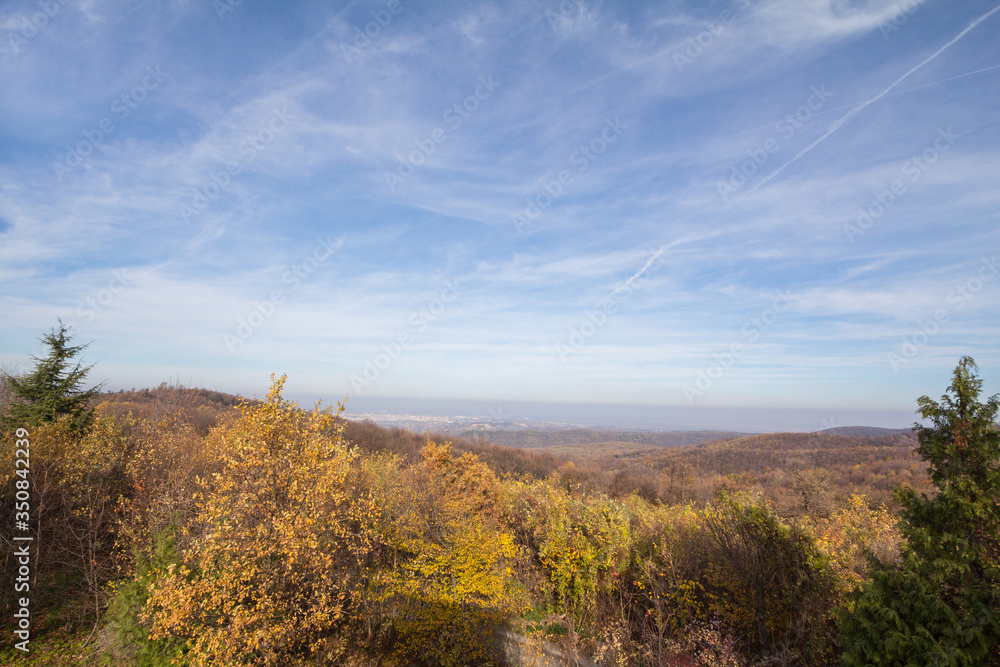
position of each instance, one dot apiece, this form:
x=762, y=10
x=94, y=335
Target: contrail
x=843, y=119
x=645, y=267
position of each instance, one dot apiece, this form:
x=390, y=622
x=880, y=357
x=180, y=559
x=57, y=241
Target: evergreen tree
x=53, y=389
x=941, y=604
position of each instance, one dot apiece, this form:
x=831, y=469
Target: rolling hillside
x=865, y=431
x=533, y=439
x=795, y=469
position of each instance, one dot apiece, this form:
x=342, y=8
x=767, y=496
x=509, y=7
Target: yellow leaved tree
x=448, y=584
x=273, y=564
x=852, y=533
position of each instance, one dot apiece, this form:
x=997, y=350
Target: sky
x=767, y=207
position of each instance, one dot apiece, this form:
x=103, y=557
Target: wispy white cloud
x=644, y=207
x=863, y=105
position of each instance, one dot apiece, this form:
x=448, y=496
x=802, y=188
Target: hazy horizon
x=642, y=417
x=550, y=414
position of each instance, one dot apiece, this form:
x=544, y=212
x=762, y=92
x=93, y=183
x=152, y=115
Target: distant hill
x=773, y=451
x=171, y=394
x=799, y=472
x=819, y=441
x=536, y=439
x=781, y=462
x=865, y=431
x=202, y=408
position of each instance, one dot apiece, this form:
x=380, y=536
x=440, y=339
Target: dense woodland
x=184, y=526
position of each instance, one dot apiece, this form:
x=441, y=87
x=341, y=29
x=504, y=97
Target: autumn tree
x=769, y=580
x=76, y=480
x=940, y=605
x=853, y=533
x=450, y=584
x=53, y=389
x=272, y=572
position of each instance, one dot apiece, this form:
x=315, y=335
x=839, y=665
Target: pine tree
x=941, y=604
x=53, y=389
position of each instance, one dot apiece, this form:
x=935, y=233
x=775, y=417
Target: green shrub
x=126, y=637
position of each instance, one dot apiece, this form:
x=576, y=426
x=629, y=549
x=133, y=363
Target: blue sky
x=767, y=204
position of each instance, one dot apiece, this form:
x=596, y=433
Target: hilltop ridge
x=864, y=431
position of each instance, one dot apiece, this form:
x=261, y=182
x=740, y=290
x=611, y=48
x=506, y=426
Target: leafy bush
x=272, y=570
x=578, y=541
x=450, y=585
x=126, y=638
x=767, y=579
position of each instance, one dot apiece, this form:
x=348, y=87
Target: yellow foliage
x=668, y=560
x=852, y=532
x=579, y=541
x=451, y=584
x=269, y=572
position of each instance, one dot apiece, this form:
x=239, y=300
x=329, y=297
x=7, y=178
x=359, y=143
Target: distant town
x=456, y=424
